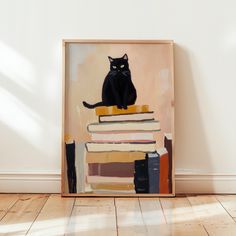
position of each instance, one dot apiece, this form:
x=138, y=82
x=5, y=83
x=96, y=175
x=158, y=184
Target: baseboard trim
x=30, y=182
x=212, y=183
x=50, y=182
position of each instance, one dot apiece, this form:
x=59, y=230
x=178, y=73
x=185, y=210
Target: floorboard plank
x=129, y=217
x=180, y=217
x=229, y=203
x=209, y=211
x=153, y=216
x=22, y=214
x=54, y=216
x=6, y=202
x=212, y=215
x=93, y=221
x=178, y=210
x=221, y=229
x=94, y=201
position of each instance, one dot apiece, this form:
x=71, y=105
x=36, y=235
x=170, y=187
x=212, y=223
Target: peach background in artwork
x=88, y=64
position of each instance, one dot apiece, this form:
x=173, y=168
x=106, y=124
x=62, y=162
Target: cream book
x=128, y=117
x=124, y=126
x=121, y=147
x=119, y=137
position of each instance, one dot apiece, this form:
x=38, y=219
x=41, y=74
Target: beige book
x=101, y=179
x=121, y=147
x=124, y=126
x=106, y=157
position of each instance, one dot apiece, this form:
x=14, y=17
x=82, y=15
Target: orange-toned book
x=164, y=171
x=114, y=110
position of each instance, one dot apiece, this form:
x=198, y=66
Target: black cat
x=118, y=89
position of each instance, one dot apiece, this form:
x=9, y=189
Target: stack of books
x=122, y=151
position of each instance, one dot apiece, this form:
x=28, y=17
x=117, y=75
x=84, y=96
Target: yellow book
x=106, y=157
x=113, y=186
x=113, y=110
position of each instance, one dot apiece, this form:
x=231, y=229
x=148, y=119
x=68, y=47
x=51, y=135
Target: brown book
x=168, y=146
x=113, y=169
x=113, y=110
x=164, y=172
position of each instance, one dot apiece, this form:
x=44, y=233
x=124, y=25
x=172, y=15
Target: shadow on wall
x=17, y=152
x=191, y=148
x=28, y=131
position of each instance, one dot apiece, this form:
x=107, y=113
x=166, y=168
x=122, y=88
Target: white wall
x=30, y=83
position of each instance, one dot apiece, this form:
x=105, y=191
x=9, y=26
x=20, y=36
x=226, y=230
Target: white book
x=128, y=117
x=122, y=147
x=102, y=179
x=168, y=136
x=161, y=151
x=119, y=137
x=124, y=126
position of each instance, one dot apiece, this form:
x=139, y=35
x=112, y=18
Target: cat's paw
x=119, y=107
x=125, y=107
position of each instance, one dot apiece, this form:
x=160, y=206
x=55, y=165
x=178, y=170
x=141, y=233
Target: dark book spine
x=168, y=146
x=140, y=176
x=153, y=162
x=71, y=171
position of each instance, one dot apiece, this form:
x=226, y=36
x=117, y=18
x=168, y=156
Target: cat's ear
x=110, y=59
x=125, y=57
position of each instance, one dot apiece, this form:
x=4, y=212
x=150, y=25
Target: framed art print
x=118, y=118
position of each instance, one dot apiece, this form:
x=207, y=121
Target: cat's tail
x=91, y=106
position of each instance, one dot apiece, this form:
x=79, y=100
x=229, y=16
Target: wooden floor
x=44, y=214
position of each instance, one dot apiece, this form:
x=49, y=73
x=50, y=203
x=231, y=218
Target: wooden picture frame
x=158, y=52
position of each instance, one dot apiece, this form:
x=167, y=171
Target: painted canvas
x=118, y=118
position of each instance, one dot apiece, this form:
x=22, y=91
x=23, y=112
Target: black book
x=71, y=171
x=141, y=176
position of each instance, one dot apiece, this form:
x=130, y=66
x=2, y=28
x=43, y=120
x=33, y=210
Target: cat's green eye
x=122, y=66
x=114, y=67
